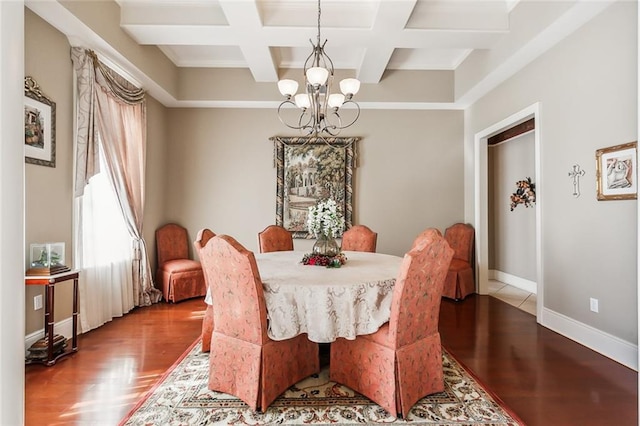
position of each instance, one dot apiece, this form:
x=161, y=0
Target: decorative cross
x=575, y=174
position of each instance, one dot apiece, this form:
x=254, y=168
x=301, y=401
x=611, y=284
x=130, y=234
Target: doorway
x=511, y=192
x=481, y=199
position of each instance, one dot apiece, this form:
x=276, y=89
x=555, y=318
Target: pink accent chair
x=244, y=361
x=460, y=280
x=204, y=235
x=275, y=238
x=359, y=238
x=402, y=361
x=178, y=276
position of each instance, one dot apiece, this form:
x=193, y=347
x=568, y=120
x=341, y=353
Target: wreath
x=525, y=193
x=322, y=260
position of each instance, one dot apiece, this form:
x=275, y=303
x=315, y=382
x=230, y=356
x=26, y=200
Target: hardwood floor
x=543, y=377
x=114, y=367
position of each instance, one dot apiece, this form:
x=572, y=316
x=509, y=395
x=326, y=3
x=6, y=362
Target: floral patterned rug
x=182, y=398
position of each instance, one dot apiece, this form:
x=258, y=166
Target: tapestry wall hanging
x=310, y=169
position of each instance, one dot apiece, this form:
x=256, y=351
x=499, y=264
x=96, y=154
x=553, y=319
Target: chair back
x=203, y=237
x=275, y=238
x=239, y=307
x=460, y=237
x=359, y=238
x=425, y=237
x=415, y=307
x=172, y=243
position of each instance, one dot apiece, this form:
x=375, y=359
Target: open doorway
x=481, y=199
x=511, y=216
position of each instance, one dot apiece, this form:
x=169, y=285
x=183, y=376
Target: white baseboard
x=521, y=283
x=64, y=327
x=619, y=350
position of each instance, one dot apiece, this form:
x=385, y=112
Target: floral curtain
x=111, y=116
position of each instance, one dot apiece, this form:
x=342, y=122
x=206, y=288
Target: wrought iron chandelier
x=319, y=109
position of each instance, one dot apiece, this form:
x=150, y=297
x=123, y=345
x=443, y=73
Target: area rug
x=182, y=398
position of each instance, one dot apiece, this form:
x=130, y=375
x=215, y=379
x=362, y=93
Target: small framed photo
x=616, y=172
x=39, y=126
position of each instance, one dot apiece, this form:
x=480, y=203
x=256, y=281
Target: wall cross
x=575, y=173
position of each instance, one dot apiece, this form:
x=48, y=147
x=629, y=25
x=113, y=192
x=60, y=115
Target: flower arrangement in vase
x=325, y=222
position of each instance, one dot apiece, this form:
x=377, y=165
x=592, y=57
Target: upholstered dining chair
x=425, y=237
x=359, y=238
x=460, y=280
x=275, y=238
x=243, y=360
x=204, y=235
x=402, y=361
x=179, y=276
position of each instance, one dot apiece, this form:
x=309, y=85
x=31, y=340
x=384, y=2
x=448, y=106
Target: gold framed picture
x=616, y=172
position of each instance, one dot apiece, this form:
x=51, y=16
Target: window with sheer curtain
x=105, y=254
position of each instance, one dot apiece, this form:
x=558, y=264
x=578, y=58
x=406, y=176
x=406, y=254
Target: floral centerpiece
x=325, y=222
x=325, y=219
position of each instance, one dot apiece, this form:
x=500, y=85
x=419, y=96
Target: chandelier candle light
x=319, y=108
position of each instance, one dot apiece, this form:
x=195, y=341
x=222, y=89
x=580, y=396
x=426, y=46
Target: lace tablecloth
x=327, y=303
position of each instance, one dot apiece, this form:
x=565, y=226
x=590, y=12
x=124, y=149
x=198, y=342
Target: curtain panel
x=111, y=115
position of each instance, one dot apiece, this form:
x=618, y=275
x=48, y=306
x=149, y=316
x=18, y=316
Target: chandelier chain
x=318, y=22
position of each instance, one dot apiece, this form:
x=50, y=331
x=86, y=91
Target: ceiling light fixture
x=319, y=109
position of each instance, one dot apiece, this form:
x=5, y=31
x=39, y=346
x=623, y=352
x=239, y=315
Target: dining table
x=327, y=303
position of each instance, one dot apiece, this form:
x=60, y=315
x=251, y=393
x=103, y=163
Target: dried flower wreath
x=525, y=193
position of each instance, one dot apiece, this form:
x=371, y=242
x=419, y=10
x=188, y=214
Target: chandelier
x=319, y=109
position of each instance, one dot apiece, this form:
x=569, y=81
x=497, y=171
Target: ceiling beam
x=244, y=17
x=390, y=19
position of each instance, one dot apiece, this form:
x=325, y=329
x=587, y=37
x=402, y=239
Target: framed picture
x=616, y=171
x=311, y=169
x=39, y=126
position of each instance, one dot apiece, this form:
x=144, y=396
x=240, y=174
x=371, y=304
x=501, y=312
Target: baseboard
x=619, y=350
x=512, y=280
x=64, y=327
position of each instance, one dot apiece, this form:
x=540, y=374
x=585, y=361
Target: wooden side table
x=50, y=281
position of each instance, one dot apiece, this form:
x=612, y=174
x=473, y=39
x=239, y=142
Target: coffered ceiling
x=368, y=36
x=228, y=53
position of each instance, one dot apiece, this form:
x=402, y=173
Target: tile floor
x=514, y=296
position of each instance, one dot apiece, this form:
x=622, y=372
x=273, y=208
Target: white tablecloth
x=327, y=303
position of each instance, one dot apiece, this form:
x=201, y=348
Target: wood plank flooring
x=544, y=378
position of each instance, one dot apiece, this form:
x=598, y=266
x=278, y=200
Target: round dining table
x=327, y=303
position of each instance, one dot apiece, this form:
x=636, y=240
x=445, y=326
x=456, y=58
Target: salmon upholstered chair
x=179, y=277
x=244, y=361
x=204, y=235
x=359, y=238
x=460, y=280
x=402, y=361
x=425, y=237
x=275, y=238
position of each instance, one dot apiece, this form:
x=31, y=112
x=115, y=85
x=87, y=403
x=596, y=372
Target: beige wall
x=587, y=89
x=512, y=234
x=221, y=172
x=48, y=190
x=156, y=174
